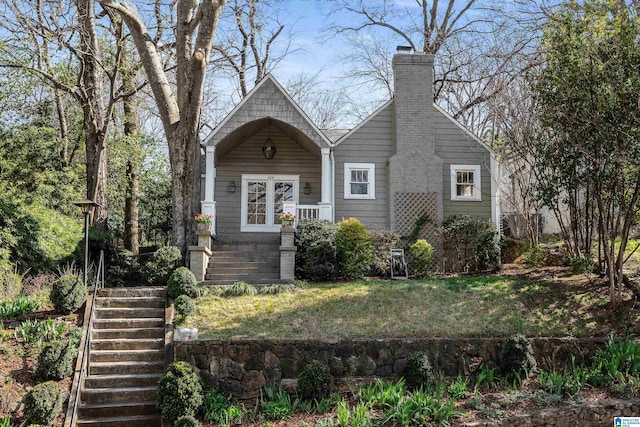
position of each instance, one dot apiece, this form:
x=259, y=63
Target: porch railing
x=307, y=212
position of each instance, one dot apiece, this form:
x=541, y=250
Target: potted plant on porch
x=287, y=219
x=203, y=222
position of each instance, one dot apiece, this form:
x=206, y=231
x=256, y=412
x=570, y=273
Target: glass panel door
x=282, y=192
x=257, y=202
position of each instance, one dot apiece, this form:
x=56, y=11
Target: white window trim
x=270, y=227
x=477, y=182
x=371, y=167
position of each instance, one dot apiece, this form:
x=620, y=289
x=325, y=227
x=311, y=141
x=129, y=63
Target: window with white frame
x=465, y=183
x=359, y=181
x=262, y=200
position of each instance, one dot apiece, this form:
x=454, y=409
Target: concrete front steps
x=126, y=359
x=252, y=263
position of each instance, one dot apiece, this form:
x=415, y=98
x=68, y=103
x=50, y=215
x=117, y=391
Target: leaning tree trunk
x=131, y=242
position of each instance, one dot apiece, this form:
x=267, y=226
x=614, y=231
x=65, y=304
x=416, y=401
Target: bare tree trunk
x=131, y=199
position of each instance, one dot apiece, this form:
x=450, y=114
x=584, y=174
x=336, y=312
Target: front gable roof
x=268, y=99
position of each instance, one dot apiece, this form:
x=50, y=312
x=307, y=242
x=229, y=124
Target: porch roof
x=267, y=103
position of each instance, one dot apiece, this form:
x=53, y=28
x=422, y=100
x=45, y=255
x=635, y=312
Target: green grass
x=463, y=306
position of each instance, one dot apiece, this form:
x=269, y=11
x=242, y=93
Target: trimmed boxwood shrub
x=162, y=263
x=355, y=251
x=517, y=357
x=383, y=241
x=56, y=360
x=68, y=294
x=418, y=370
x=184, y=305
x=316, y=255
x=42, y=404
x=179, y=392
x=315, y=381
x=182, y=282
x=420, y=258
x=187, y=421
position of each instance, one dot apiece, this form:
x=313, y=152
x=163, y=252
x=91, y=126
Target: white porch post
x=326, y=210
x=209, y=204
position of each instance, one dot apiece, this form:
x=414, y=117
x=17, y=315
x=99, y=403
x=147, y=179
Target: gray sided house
x=407, y=159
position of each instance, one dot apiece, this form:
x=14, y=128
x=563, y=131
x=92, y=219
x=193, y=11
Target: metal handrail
x=86, y=358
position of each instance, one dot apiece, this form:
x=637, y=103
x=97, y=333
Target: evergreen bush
x=418, y=371
x=184, y=305
x=42, y=404
x=470, y=243
x=355, y=251
x=315, y=381
x=179, y=392
x=420, y=258
x=187, y=421
x=517, y=357
x=68, y=294
x=316, y=255
x=162, y=263
x=56, y=360
x=182, y=282
x=383, y=241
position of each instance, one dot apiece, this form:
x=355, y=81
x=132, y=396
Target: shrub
x=239, y=289
x=10, y=283
x=316, y=256
x=383, y=241
x=470, y=243
x=187, y=421
x=182, y=282
x=534, y=256
x=185, y=306
x=179, y=392
x=56, y=360
x=10, y=397
x=42, y=404
x=420, y=258
x=216, y=408
x=276, y=403
x=68, y=294
x=162, y=263
x=581, y=264
x=418, y=371
x=517, y=357
x=315, y=381
x=355, y=252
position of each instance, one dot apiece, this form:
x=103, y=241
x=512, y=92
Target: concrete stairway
x=126, y=359
x=251, y=263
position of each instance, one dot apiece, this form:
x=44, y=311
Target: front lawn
x=549, y=304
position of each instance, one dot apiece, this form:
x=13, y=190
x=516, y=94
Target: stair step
x=130, y=302
x=126, y=409
x=118, y=381
x=132, y=292
x=128, y=313
x=119, y=395
x=129, y=333
x=145, y=355
x=232, y=270
x=137, y=323
x=132, y=421
x=127, y=367
x=229, y=282
x=128, y=344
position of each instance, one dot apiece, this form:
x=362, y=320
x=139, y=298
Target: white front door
x=262, y=197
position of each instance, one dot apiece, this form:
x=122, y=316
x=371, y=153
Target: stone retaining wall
x=600, y=414
x=243, y=367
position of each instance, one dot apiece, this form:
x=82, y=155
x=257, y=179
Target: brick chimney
x=414, y=168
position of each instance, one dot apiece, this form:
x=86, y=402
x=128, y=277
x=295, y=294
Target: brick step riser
x=135, y=344
x=124, y=313
x=131, y=333
x=148, y=408
x=131, y=292
x=155, y=322
x=133, y=368
x=117, y=395
x=150, y=422
x=96, y=382
x=224, y=270
x=110, y=302
x=126, y=356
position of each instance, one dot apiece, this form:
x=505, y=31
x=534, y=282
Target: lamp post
x=86, y=205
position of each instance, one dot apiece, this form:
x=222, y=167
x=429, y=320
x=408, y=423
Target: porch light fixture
x=307, y=188
x=231, y=188
x=269, y=148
